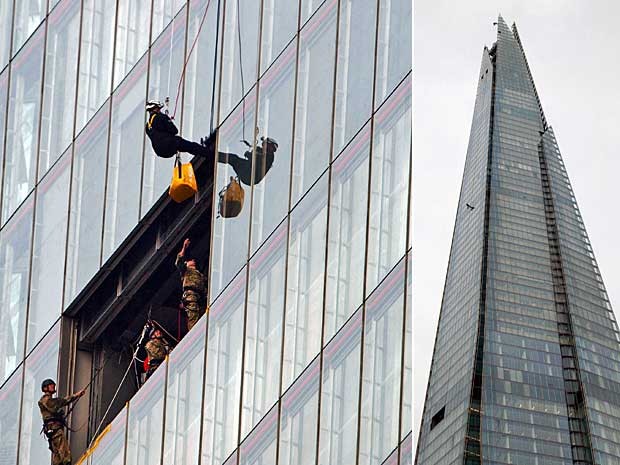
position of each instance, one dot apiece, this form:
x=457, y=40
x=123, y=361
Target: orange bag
x=183, y=184
x=231, y=199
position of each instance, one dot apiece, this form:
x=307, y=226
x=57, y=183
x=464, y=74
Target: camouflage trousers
x=61, y=454
x=194, y=307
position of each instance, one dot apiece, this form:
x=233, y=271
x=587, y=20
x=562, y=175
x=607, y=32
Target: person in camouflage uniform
x=156, y=348
x=52, y=412
x=194, y=287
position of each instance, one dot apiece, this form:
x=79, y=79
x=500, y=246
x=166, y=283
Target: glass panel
x=347, y=232
x=10, y=395
x=308, y=7
x=223, y=380
x=146, y=420
x=232, y=68
x=279, y=27
x=28, y=15
x=48, y=255
x=163, y=12
x=111, y=448
x=394, y=46
x=263, y=338
x=232, y=460
x=184, y=398
x=259, y=448
x=164, y=75
x=4, y=89
x=356, y=47
x=407, y=392
x=42, y=363
x=340, y=395
x=14, y=271
x=95, y=58
x=306, y=270
x=389, y=184
x=393, y=458
x=275, y=120
x=382, y=368
x=406, y=452
x=61, y=55
x=230, y=235
x=23, y=124
x=132, y=35
x=6, y=23
x=125, y=159
x=314, y=98
x=86, y=213
x=298, y=418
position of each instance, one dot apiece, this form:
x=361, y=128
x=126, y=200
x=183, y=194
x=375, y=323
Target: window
x=438, y=417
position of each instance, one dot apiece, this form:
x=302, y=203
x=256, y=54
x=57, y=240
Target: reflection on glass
x=259, y=448
x=393, y=458
x=184, y=398
x=4, y=88
x=6, y=24
x=163, y=12
x=86, y=212
x=356, y=47
x=61, y=55
x=164, y=75
x=10, y=394
x=111, y=448
x=314, y=98
x=27, y=16
x=347, y=232
x=42, y=363
x=223, y=377
x=23, y=124
x=279, y=27
x=407, y=393
x=132, y=35
x=125, y=159
x=14, y=271
x=298, y=418
x=406, y=452
x=263, y=338
x=389, y=184
x=306, y=266
x=394, y=49
x=146, y=420
x=48, y=254
x=381, y=371
x=232, y=460
x=308, y=7
x=340, y=394
x=275, y=120
x=97, y=44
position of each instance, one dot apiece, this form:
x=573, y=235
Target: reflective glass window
x=95, y=71
x=275, y=120
x=86, y=211
x=184, y=398
x=230, y=235
x=61, y=56
x=355, y=69
x=27, y=17
x=164, y=75
x=347, y=232
x=381, y=372
x=263, y=337
x=22, y=124
x=4, y=88
x=6, y=24
x=279, y=27
x=340, y=394
x=406, y=451
x=232, y=460
x=146, y=420
x=306, y=272
x=42, y=363
x=246, y=26
x=15, y=240
x=394, y=46
x=163, y=12
x=110, y=449
x=308, y=7
x=132, y=35
x=298, y=418
x=259, y=448
x=389, y=184
x=48, y=254
x=223, y=378
x=10, y=396
x=314, y=98
x=407, y=413
x=393, y=458
x=125, y=159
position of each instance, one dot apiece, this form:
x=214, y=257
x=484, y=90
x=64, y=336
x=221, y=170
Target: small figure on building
x=194, y=286
x=263, y=161
x=157, y=348
x=54, y=421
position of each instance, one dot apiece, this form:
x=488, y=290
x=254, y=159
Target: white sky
x=573, y=49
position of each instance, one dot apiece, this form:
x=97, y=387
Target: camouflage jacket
x=157, y=349
x=52, y=408
x=191, y=278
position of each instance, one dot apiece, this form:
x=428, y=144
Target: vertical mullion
x=163, y=413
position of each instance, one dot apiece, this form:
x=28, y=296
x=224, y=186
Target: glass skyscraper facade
x=526, y=365
x=305, y=354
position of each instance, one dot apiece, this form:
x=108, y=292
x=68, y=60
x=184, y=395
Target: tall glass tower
x=526, y=365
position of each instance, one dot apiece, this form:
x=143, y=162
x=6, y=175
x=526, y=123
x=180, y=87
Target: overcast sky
x=573, y=49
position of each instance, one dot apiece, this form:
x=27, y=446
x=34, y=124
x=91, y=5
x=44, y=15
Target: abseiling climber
x=194, y=297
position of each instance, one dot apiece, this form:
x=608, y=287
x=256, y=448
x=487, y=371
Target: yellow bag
x=183, y=184
x=231, y=199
